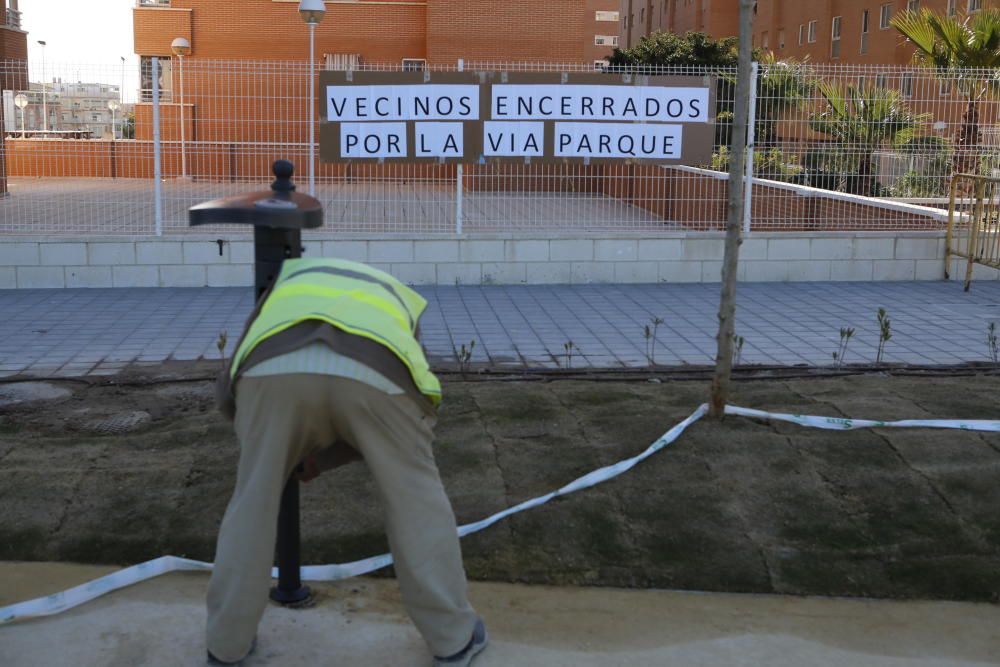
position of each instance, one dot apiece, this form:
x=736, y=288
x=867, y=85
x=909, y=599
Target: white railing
x=13, y=18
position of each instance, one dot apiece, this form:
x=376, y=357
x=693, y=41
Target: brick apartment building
x=436, y=32
x=835, y=31
x=409, y=34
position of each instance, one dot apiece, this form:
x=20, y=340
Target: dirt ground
x=120, y=473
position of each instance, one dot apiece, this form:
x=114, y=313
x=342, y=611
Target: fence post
x=157, y=153
x=459, y=175
x=751, y=136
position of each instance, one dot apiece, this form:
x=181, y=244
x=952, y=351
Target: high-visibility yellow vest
x=353, y=297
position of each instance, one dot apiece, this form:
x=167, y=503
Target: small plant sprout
x=846, y=334
x=738, y=349
x=884, y=333
x=991, y=343
x=649, y=333
x=465, y=356
x=220, y=343
x=569, y=347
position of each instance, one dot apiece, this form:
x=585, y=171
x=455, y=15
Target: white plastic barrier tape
x=841, y=424
x=59, y=602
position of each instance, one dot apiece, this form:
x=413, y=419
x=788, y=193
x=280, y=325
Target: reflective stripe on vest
x=353, y=297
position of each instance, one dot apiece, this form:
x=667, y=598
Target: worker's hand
x=308, y=470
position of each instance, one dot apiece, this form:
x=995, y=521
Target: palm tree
x=783, y=86
x=965, y=50
x=863, y=120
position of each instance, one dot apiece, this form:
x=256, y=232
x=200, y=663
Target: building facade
x=851, y=32
x=85, y=107
x=435, y=32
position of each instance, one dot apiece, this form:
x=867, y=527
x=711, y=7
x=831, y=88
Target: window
x=880, y=81
x=642, y=15
x=802, y=34
x=781, y=38
x=835, y=37
x=607, y=16
x=884, y=15
x=952, y=7
x=605, y=40
x=600, y=65
x=414, y=64
x=944, y=89
x=906, y=85
x=975, y=5
x=913, y=5
x=812, y=32
x=146, y=78
x=864, y=31
x=342, y=61
x=765, y=40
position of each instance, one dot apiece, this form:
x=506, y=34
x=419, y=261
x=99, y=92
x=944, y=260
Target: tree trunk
x=734, y=218
x=865, y=181
x=968, y=139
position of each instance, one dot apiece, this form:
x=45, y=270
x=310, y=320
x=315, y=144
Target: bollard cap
x=280, y=207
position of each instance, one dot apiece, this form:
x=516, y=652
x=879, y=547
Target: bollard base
x=291, y=598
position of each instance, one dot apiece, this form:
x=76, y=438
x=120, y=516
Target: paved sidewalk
x=100, y=331
x=361, y=622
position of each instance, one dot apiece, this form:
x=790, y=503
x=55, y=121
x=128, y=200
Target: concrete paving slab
x=362, y=622
x=933, y=323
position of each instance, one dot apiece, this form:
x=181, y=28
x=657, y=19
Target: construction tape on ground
x=59, y=602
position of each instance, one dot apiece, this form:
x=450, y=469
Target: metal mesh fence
x=833, y=148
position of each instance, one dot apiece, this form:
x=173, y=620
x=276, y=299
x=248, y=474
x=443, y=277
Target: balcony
x=13, y=19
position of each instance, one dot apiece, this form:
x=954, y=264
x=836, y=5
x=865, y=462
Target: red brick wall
x=559, y=31
x=156, y=27
x=13, y=44
x=267, y=30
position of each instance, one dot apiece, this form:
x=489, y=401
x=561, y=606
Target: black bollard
x=278, y=217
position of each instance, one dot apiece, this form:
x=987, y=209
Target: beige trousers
x=280, y=420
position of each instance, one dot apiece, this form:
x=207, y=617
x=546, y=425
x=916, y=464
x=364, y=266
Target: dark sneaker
x=475, y=646
x=212, y=660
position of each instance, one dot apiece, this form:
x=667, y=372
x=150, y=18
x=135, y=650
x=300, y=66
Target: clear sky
x=85, y=40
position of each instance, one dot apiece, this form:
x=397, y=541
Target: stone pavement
x=419, y=204
x=70, y=332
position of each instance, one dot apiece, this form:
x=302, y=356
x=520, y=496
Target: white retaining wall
x=194, y=260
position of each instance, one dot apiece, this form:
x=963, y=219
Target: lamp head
x=180, y=46
x=312, y=11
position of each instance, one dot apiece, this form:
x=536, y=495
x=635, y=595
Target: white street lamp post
x=45, y=109
x=113, y=106
x=182, y=47
x=121, y=96
x=312, y=12
x=21, y=101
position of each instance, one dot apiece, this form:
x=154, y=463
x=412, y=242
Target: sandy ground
x=361, y=622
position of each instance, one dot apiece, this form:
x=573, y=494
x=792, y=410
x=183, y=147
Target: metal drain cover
x=24, y=392
x=119, y=423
